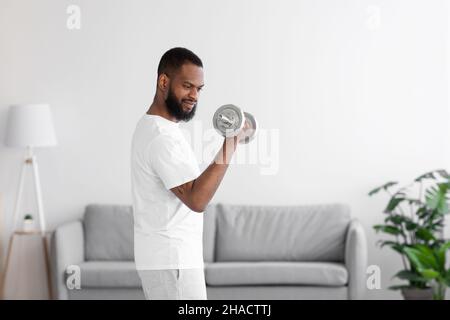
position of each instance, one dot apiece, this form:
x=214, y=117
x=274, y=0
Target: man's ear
x=163, y=82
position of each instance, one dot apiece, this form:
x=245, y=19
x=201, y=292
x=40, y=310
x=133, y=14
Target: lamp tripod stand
x=30, y=160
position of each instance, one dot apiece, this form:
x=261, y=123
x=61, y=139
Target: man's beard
x=176, y=110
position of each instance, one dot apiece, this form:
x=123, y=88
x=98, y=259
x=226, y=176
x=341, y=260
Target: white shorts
x=174, y=284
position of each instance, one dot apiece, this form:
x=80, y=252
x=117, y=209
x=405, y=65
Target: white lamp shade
x=30, y=125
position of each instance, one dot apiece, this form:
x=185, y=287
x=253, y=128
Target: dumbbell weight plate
x=228, y=120
x=252, y=130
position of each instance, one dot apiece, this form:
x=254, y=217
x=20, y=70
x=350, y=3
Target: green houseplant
x=28, y=222
x=430, y=264
x=415, y=220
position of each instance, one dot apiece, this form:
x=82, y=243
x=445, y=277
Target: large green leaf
x=432, y=217
x=426, y=250
x=429, y=255
x=422, y=212
x=411, y=225
x=443, y=173
x=429, y=273
x=420, y=259
x=393, y=203
x=441, y=254
x=424, y=234
x=416, y=202
x=396, y=219
x=383, y=243
x=411, y=253
x=383, y=187
x=394, y=245
x=428, y=175
x=388, y=229
x=398, y=248
x=436, y=198
x=431, y=175
x=438, y=225
x=410, y=275
x=447, y=275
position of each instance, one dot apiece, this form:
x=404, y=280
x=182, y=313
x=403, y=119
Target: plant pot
x=417, y=293
x=28, y=225
x=439, y=291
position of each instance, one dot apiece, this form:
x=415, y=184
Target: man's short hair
x=174, y=58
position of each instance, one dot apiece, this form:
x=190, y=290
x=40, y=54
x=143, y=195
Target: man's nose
x=193, y=94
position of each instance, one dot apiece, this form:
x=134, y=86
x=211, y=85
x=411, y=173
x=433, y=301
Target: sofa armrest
x=356, y=260
x=67, y=248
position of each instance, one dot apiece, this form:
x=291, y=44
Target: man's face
x=184, y=91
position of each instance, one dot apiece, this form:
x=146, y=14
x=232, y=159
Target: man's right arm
x=196, y=194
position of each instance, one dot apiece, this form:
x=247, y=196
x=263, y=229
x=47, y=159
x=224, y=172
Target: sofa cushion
x=281, y=233
x=276, y=273
x=99, y=274
x=108, y=232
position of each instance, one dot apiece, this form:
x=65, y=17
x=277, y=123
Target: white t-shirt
x=167, y=234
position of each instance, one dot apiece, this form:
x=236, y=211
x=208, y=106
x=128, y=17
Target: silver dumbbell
x=228, y=120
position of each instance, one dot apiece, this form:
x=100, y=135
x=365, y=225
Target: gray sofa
x=250, y=252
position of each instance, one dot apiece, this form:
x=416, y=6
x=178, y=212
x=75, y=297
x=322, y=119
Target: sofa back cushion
x=281, y=233
x=232, y=232
x=108, y=232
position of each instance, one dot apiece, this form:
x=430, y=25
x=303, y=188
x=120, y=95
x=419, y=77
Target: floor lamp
x=30, y=126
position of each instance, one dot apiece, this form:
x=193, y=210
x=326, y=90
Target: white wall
x=356, y=89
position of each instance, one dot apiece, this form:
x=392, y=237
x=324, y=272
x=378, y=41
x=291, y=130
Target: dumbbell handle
x=225, y=119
